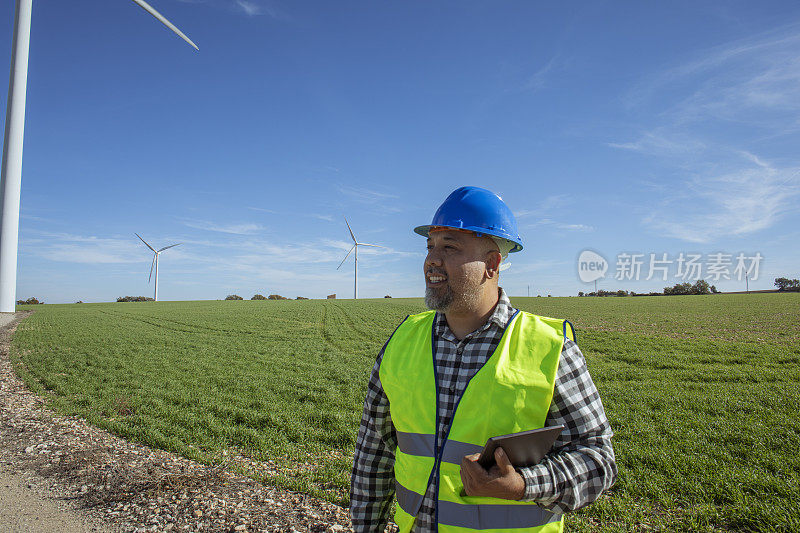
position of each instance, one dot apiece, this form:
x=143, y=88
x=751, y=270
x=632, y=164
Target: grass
x=703, y=393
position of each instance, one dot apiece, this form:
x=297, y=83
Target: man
x=471, y=369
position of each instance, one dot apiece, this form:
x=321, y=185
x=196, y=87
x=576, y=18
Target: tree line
x=786, y=284
x=701, y=286
x=262, y=297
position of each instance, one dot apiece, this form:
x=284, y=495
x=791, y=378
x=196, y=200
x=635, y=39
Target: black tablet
x=526, y=448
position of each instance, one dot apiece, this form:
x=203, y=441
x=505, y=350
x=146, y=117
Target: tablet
x=526, y=448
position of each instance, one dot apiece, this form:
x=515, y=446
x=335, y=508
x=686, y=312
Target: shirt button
x=452, y=388
x=460, y=350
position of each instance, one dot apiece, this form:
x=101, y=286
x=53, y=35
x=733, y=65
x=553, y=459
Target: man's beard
x=439, y=300
x=466, y=299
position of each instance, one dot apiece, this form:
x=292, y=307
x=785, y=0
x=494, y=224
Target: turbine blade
x=345, y=257
x=161, y=18
x=170, y=246
x=350, y=230
x=373, y=245
x=151, y=268
x=144, y=241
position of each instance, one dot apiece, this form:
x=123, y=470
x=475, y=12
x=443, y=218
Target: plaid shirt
x=578, y=469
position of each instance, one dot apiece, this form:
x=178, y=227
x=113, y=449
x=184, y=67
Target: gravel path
x=61, y=474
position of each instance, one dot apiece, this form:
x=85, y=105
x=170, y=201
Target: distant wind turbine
x=155, y=261
x=356, y=244
x=11, y=180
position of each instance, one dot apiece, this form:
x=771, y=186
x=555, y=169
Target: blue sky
x=631, y=127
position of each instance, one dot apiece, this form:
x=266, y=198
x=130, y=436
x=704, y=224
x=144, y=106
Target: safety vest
x=512, y=392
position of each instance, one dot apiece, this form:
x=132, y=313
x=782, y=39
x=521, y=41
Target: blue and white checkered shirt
x=577, y=470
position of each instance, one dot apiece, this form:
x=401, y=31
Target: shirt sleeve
x=372, y=480
x=581, y=464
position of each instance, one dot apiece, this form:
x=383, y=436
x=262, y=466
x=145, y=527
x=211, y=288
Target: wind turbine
x=11, y=180
x=356, y=244
x=155, y=261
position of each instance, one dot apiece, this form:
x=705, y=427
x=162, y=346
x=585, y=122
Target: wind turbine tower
x=156, y=253
x=11, y=180
x=356, y=244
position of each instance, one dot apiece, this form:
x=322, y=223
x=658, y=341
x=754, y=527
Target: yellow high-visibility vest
x=512, y=392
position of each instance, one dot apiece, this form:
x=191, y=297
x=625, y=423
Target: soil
x=60, y=474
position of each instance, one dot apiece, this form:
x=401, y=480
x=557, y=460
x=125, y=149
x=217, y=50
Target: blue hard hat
x=478, y=210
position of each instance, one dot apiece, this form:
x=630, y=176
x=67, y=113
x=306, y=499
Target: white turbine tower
x=11, y=180
x=155, y=262
x=356, y=244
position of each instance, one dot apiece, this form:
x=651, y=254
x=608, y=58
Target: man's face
x=455, y=269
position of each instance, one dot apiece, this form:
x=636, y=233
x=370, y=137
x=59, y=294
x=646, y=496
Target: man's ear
x=493, y=259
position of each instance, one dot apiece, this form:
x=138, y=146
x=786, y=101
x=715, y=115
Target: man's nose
x=433, y=259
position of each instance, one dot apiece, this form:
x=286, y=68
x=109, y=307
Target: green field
x=703, y=392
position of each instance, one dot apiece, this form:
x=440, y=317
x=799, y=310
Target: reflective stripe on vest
x=479, y=516
x=422, y=445
x=512, y=392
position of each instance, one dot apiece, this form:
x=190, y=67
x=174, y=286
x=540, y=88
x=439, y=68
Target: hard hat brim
x=425, y=232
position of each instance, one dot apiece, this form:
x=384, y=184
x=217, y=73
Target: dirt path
x=7, y=318
x=25, y=507
x=61, y=474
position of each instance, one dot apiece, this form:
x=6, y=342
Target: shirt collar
x=503, y=311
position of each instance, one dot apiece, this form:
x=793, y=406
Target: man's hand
x=500, y=481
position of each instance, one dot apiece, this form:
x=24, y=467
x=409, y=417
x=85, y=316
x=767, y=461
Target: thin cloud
x=536, y=266
x=657, y=143
x=555, y=201
x=35, y=218
x=539, y=79
x=754, y=50
x=233, y=229
x=545, y=206
x=262, y=210
x=344, y=246
x=70, y=253
x=560, y=225
x=254, y=8
x=546, y=209
x=380, y=201
x=365, y=195
x=575, y=227
x=282, y=264
x=231, y=265
x=752, y=82
x=320, y=216
x=338, y=244
x=69, y=248
x=737, y=203
x=710, y=112
x=226, y=255
x=250, y=8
